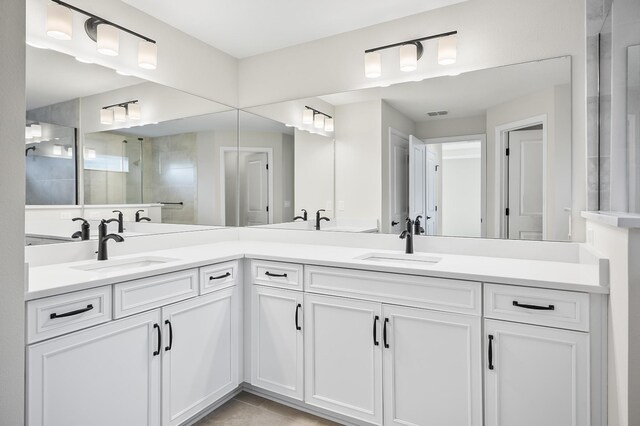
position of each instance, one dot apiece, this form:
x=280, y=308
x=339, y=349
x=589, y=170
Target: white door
x=343, y=358
x=256, y=188
x=277, y=341
x=398, y=183
x=535, y=375
x=417, y=178
x=526, y=167
x=432, y=368
x=200, y=353
x=104, y=376
x=431, y=210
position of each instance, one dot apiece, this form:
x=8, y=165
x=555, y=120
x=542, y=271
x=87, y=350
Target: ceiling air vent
x=436, y=113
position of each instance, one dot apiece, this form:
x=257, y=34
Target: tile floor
x=247, y=409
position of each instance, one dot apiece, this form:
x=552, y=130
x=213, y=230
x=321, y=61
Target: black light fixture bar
x=122, y=104
x=315, y=111
x=104, y=21
x=414, y=41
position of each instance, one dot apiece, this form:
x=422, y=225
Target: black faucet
x=120, y=220
x=139, y=218
x=303, y=217
x=408, y=236
x=83, y=234
x=103, y=238
x=417, y=228
x=318, y=219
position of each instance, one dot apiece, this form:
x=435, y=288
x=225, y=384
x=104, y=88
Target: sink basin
x=108, y=266
x=401, y=258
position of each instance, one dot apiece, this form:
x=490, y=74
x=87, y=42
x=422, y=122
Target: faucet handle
x=84, y=221
x=117, y=211
x=321, y=210
x=303, y=210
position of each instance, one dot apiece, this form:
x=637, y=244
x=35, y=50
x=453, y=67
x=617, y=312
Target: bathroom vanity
x=356, y=335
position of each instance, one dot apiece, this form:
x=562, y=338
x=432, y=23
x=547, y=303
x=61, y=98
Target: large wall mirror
x=97, y=141
x=481, y=154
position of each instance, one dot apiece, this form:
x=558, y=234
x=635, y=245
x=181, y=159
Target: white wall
x=358, y=161
x=12, y=187
x=391, y=118
x=447, y=127
x=314, y=173
x=183, y=62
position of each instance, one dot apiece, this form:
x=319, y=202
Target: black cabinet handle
x=72, y=313
x=490, y=352
x=157, y=352
x=394, y=223
x=168, y=348
x=375, y=330
x=535, y=307
x=219, y=277
x=269, y=274
x=384, y=332
x=298, y=306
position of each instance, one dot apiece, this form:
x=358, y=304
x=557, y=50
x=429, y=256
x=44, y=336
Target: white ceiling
x=54, y=77
x=465, y=95
x=245, y=28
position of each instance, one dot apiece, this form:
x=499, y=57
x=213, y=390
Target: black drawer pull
x=298, y=306
x=168, y=348
x=375, y=330
x=535, y=307
x=219, y=277
x=269, y=274
x=490, y=352
x=72, y=313
x=384, y=332
x=157, y=351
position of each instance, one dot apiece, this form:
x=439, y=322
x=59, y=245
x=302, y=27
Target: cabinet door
x=535, y=375
x=432, y=368
x=276, y=341
x=104, y=376
x=200, y=353
x=343, y=357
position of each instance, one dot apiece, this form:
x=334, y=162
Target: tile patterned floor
x=247, y=409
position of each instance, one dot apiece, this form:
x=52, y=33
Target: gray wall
x=12, y=107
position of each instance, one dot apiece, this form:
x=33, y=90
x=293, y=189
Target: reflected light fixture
x=328, y=125
x=410, y=52
x=106, y=116
x=89, y=153
x=28, y=133
x=307, y=116
x=36, y=130
x=119, y=114
x=134, y=111
x=59, y=22
x=319, y=119
x=105, y=33
x=57, y=150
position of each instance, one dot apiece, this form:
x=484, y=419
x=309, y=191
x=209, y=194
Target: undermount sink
x=107, y=266
x=401, y=258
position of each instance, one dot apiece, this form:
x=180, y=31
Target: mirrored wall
x=481, y=154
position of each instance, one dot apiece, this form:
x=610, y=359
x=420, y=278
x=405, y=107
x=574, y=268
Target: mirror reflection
x=469, y=155
x=633, y=125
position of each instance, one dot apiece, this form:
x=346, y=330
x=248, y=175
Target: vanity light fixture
x=106, y=116
x=410, y=52
x=57, y=150
x=120, y=112
x=105, y=33
x=319, y=119
x=134, y=111
x=28, y=133
x=36, y=130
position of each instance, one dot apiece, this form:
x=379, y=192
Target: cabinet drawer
x=57, y=315
x=276, y=274
x=141, y=295
x=553, y=308
x=408, y=290
x=219, y=276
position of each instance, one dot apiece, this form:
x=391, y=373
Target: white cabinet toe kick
x=357, y=346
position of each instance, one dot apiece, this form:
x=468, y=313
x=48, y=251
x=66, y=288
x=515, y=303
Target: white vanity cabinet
x=538, y=375
x=103, y=376
x=200, y=353
x=277, y=340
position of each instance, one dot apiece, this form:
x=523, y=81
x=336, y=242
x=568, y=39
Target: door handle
x=394, y=223
x=375, y=330
x=157, y=351
x=428, y=217
x=298, y=306
x=168, y=348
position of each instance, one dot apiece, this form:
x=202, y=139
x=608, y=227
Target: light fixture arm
x=414, y=41
x=121, y=104
x=95, y=20
x=315, y=111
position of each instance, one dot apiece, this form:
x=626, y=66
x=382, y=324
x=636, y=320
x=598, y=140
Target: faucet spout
x=103, y=238
x=319, y=219
x=407, y=235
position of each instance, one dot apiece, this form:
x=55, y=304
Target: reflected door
x=431, y=208
x=256, y=188
x=399, y=182
x=417, y=177
x=525, y=185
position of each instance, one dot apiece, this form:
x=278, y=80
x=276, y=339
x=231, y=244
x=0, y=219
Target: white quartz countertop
x=56, y=279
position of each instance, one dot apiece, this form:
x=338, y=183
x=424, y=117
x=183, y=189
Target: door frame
x=482, y=137
x=501, y=186
x=223, y=151
x=392, y=132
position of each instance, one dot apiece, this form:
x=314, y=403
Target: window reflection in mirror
x=438, y=148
